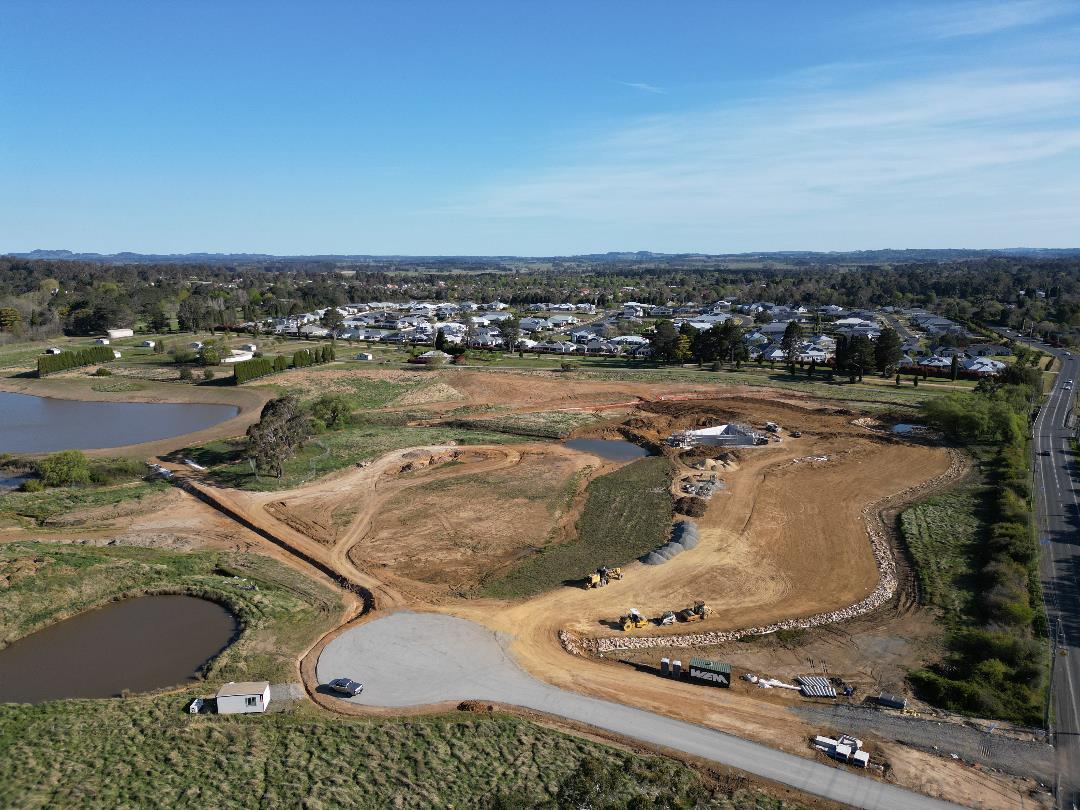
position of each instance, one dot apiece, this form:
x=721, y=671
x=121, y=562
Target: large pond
x=30, y=424
x=139, y=645
x=611, y=449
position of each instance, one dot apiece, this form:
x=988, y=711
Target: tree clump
x=280, y=433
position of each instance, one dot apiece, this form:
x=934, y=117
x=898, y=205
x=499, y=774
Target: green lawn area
x=627, y=513
x=333, y=451
x=143, y=752
x=943, y=534
x=281, y=618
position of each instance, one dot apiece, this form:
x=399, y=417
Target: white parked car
x=346, y=686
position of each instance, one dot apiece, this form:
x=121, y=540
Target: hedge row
x=262, y=366
x=998, y=670
x=52, y=363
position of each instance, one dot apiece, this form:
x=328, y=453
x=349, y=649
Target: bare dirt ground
x=786, y=537
x=468, y=527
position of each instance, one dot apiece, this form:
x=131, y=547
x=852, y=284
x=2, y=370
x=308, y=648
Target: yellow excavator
x=633, y=620
x=695, y=614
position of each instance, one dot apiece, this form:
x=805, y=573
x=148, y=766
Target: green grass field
x=147, y=753
x=627, y=513
x=943, y=535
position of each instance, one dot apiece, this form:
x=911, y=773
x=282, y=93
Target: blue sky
x=538, y=128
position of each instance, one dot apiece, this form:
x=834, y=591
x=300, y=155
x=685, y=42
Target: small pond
x=31, y=424
x=141, y=644
x=611, y=449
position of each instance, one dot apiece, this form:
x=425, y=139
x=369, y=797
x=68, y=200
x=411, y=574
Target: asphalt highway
x=417, y=659
x=1058, y=521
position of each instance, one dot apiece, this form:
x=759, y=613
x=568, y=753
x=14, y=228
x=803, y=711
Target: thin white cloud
x=645, y=87
x=979, y=18
x=809, y=162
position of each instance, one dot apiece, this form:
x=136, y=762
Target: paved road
x=410, y=659
x=1058, y=519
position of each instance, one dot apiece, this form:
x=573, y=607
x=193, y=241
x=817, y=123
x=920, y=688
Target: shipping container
x=711, y=672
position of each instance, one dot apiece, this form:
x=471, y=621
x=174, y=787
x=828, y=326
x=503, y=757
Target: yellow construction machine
x=602, y=576
x=633, y=620
x=695, y=614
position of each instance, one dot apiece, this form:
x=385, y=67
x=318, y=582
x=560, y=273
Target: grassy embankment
x=37, y=509
x=146, y=751
x=977, y=559
x=944, y=536
x=627, y=513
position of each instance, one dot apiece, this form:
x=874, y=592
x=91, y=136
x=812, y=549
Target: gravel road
x=1012, y=756
x=411, y=659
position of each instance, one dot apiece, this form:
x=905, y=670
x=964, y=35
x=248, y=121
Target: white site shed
x=114, y=334
x=244, y=697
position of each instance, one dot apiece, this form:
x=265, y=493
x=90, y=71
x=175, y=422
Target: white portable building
x=244, y=697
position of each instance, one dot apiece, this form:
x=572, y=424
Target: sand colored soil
x=466, y=528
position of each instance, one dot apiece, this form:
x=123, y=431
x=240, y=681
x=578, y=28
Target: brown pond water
x=140, y=644
x=611, y=449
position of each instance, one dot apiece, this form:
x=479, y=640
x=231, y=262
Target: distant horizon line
x=63, y=253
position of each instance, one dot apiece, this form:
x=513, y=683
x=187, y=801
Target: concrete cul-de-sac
x=416, y=659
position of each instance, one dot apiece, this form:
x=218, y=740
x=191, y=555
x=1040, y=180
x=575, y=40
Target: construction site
x=779, y=527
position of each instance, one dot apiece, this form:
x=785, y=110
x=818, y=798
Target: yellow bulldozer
x=633, y=620
x=602, y=576
x=695, y=614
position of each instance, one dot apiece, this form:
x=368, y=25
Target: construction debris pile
x=683, y=536
x=884, y=591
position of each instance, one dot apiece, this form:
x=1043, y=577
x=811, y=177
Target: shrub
x=52, y=363
x=32, y=485
x=207, y=374
x=331, y=410
x=209, y=356
x=186, y=375
x=64, y=469
x=101, y=371
x=280, y=363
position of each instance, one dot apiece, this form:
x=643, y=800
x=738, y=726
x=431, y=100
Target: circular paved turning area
x=417, y=659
